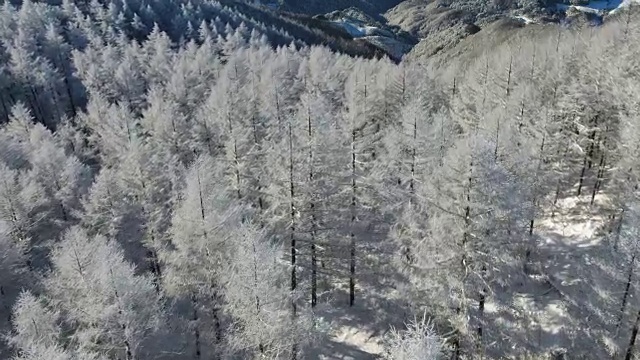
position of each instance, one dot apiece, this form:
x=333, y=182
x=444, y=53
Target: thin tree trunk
x=463, y=261
x=408, y=251
x=507, y=94
x=70, y=94
x=154, y=266
x=314, y=264
x=531, y=244
x=618, y=231
x=5, y=110
x=600, y=176
x=7, y=305
x=67, y=85
x=56, y=108
x=235, y=156
x=292, y=240
x=453, y=91
x=587, y=159
x=352, y=264
x=37, y=109
x=196, y=328
x=559, y=184
x=215, y=314
x=481, y=302
x=255, y=286
x=632, y=341
x=627, y=288
x=127, y=345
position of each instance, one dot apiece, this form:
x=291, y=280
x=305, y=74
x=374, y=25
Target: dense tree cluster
x=173, y=191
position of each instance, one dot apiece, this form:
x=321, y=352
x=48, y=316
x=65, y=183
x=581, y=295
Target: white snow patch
x=361, y=30
x=351, y=28
x=359, y=338
x=527, y=20
x=394, y=47
x=599, y=7
x=624, y=4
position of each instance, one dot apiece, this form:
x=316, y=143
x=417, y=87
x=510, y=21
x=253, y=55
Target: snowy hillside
x=599, y=7
x=220, y=180
x=359, y=25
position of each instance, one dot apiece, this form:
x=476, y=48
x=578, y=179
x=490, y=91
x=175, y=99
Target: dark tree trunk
x=352, y=263
x=632, y=341
x=587, y=158
x=292, y=240
x=481, y=302
x=255, y=286
x=596, y=186
x=618, y=231
x=215, y=313
x=196, y=328
x=5, y=109
x=314, y=260
x=627, y=289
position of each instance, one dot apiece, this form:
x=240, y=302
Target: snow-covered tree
x=201, y=237
x=110, y=309
x=418, y=341
x=258, y=299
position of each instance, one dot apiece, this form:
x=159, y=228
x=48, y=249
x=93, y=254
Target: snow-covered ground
x=527, y=20
x=570, y=292
x=380, y=37
x=357, y=30
x=624, y=4
x=600, y=7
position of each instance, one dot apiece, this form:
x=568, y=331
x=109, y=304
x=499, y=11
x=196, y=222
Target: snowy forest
x=183, y=180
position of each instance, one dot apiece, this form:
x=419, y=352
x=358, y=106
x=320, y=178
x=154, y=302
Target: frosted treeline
x=208, y=192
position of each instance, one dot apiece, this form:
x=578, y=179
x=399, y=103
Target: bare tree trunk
x=123, y=326
x=559, y=184
x=154, y=266
x=506, y=97
x=463, y=261
x=196, y=329
x=56, y=108
x=235, y=156
x=70, y=94
x=255, y=286
x=534, y=203
x=627, y=288
x=408, y=251
x=5, y=109
x=36, y=105
x=632, y=341
x=7, y=306
x=618, y=231
x=292, y=241
x=314, y=263
x=481, y=302
x=215, y=314
x=587, y=158
x=600, y=176
x=352, y=264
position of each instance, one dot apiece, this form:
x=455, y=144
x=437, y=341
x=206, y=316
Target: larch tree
x=36, y=330
x=64, y=178
x=111, y=129
x=104, y=208
x=202, y=240
x=258, y=299
x=21, y=210
x=14, y=276
x=110, y=309
x=150, y=179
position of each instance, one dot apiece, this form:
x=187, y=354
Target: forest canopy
x=179, y=180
